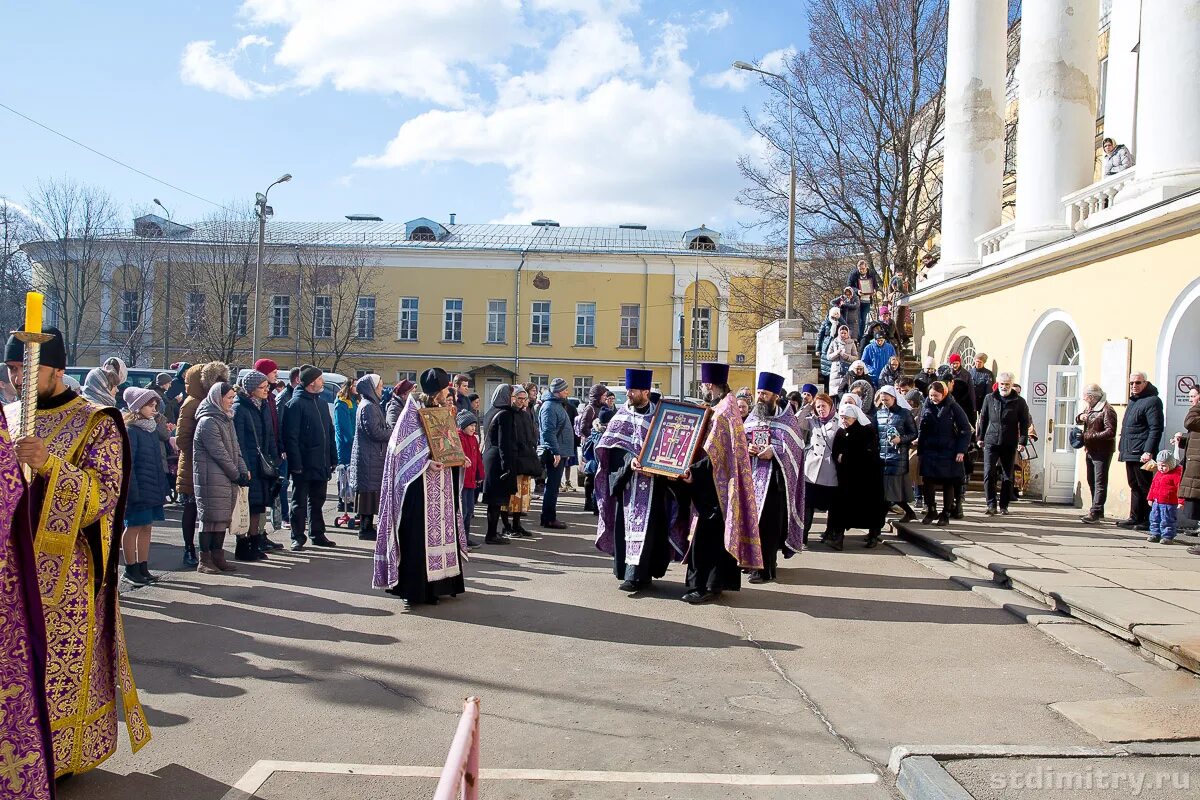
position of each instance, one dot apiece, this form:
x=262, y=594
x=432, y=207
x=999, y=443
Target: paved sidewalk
x=1147, y=594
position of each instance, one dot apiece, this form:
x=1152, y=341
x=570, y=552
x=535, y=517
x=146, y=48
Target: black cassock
x=773, y=521
x=656, y=550
x=858, y=500
x=414, y=585
x=710, y=566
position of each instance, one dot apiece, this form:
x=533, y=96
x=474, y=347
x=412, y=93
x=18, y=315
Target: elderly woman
x=499, y=460
x=944, y=433
x=218, y=469
x=100, y=386
x=820, y=473
x=842, y=352
x=583, y=429
x=371, y=434
x=897, y=430
x=1099, y=422
x=858, y=500
x=256, y=440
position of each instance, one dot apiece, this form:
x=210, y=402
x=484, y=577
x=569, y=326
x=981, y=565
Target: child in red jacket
x=472, y=475
x=1164, y=498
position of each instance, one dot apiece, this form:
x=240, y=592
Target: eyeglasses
x=1136, y=383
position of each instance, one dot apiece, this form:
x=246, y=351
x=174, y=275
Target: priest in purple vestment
x=724, y=534
x=421, y=543
x=642, y=521
x=776, y=442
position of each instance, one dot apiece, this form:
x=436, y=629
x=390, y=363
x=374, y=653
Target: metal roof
x=509, y=238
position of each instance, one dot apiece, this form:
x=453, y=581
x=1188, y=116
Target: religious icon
x=760, y=437
x=444, y=445
x=675, y=433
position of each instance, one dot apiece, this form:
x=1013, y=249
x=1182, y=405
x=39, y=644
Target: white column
x=1056, y=131
x=973, y=172
x=1120, y=94
x=1168, y=113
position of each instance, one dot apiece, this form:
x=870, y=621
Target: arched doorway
x=1052, y=379
x=1178, y=368
x=965, y=348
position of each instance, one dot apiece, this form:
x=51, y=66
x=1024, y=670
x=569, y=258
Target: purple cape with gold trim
x=726, y=447
x=787, y=440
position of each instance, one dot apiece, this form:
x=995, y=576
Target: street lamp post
x=167, y=310
x=789, y=300
x=263, y=210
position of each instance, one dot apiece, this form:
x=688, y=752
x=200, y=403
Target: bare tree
x=133, y=291
x=863, y=108
x=16, y=229
x=70, y=222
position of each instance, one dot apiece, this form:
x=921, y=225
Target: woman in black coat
x=526, y=436
x=943, y=435
x=252, y=424
x=499, y=460
x=858, y=501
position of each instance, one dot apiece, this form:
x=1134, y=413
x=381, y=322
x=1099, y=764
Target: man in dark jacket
x=1141, y=433
x=556, y=444
x=865, y=283
x=981, y=379
x=462, y=393
x=293, y=384
x=1003, y=424
x=311, y=453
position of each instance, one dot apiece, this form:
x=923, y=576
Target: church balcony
x=1080, y=208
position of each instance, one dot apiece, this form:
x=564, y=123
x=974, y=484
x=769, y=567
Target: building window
x=194, y=313
x=323, y=317
x=361, y=373
x=1101, y=89
x=405, y=375
x=1070, y=354
x=497, y=332
x=583, y=386
x=237, y=315
x=965, y=348
x=281, y=316
x=423, y=233
x=540, y=381
x=407, y=327
x=702, y=243
x=585, y=324
x=452, y=321
x=540, y=323
x=702, y=329
x=131, y=310
x=631, y=326
x=364, y=318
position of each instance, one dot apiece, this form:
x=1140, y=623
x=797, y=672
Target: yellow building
x=501, y=303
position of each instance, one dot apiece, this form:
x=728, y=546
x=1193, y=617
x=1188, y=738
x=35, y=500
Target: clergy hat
x=433, y=380
x=809, y=388
x=53, y=353
x=770, y=382
x=715, y=373
x=639, y=379
x=14, y=350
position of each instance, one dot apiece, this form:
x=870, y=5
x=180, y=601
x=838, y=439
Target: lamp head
x=287, y=176
x=743, y=65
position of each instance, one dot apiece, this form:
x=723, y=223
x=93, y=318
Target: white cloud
x=738, y=79
x=202, y=66
x=717, y=21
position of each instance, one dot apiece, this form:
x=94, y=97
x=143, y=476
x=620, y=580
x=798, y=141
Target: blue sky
x=585, y=111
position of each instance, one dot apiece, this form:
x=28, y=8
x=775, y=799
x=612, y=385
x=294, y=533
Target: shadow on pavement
x=174, y=781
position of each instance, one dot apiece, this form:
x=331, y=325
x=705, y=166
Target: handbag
x=1075, y=437
x=268, y=468
x=239, y=522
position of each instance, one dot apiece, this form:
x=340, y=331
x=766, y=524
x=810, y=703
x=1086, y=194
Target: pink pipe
x=460, y=775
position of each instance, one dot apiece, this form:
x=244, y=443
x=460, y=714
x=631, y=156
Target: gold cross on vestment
x=11, y=766
x=5, y=693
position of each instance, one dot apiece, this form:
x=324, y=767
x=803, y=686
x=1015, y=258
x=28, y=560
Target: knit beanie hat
x=558, y=385
x=163, y=377
x=265, y=366
x=1168, y=458
x=308, y=374
x=253, y=380
x=136, y=397
x=466, y=418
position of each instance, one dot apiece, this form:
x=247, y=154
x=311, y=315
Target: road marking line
x=261, y=772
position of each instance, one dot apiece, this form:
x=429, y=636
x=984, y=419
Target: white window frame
x=631, y=325
x=406, y=375
x=322, y=318
x=585, y=324
x=702, y=329
x=583, y=386
x=497, y=324
x=281, y=316
x=539, y=322
x=540, y=381
x=408, y=319
x=452, y=320
x=131, y=310
x=194, y=312
x=364, y=317
x=239, y=311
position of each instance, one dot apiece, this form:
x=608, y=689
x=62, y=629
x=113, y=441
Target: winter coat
x=964, y=393
x=252, y=424
x=1164, y=488
x=841, y=355
x=525, y=432
x=876, y=358
x=889, y=376
x=500, y=448
x=1189, y=487
x=1142, y=428
x=557, y=433
x=147, y=478
x=890, y=422
x=825, y=336
x=849, y=310
x=343, y=428
x=1004, y=421
x=177, y=391
x=473, y=475
x=371, y=435
x=943, y=433
x=924, y=380
x=217, y=465
x=588, y=414
x=395, y=405
x=308, y=437
x=818, y=456
x=855, y=279
x=198, y=380
x=858, y=501
x=981, y=382
x=1119, y=160
x=1099, y=431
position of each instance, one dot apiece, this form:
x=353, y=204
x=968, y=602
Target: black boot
x=242, y=551
x=259, y=545
x=133, y=574
x=145, y=569
x=930, y=514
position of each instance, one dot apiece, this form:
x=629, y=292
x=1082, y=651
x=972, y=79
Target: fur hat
x=212, y=373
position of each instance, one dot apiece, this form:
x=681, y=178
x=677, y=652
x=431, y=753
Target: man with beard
x=724, y=536
x=421, y=541
x=641, y=520
x=776, y=446
x=1003, y=425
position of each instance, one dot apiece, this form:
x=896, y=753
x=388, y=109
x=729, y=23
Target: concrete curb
x=923, y=778
x=1170, y=644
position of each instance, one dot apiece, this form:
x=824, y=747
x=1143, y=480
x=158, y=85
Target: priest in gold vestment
x=79, y=458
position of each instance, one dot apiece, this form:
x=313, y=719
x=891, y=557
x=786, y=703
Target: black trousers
x=1139, y=486
x=998, y=461
x=307, y=499
x=951, y=495
x=1097, y=474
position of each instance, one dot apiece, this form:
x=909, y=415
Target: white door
x=489, y=389
x=1060, y=457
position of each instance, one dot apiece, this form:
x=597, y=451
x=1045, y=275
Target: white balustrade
x=1089, y=200
x=990, y=243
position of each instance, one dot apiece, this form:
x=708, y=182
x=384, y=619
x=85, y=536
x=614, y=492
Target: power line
x=116, y=161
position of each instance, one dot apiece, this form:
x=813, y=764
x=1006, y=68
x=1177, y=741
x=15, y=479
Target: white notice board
x=1114, y=370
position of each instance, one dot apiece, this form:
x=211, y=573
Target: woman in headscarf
x=583, y=430
x=252, y=424
x=842, y=352
x=820, y=473
x=371, y=434
x=147, y=484
x=897, y=431
x=100, y=386
x=499, y=460
x=943, y=435
x=529, y=466
x=858, y=501
x=218, y=469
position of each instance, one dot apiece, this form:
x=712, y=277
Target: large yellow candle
x=33, y=312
